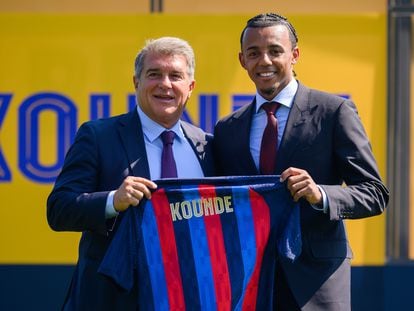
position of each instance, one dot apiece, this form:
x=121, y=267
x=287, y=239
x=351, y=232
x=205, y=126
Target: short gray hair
x=166, y=46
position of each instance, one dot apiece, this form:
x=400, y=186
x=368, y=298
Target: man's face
x=268, y=57
x=164, y=87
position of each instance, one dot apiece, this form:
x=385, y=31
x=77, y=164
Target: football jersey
x=205, y=244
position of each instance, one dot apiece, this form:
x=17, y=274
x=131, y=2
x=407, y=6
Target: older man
x=110, y=166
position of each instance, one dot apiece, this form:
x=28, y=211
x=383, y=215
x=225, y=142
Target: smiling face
x=268, y=56
x=163, y=87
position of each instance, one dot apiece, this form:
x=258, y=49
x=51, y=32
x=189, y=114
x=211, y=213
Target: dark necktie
x=168, y=167
x=268, y=148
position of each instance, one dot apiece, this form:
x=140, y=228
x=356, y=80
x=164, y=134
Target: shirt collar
x=284, y=97
x=152, y=130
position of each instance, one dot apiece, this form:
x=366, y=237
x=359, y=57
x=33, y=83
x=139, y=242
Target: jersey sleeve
x=119, y=261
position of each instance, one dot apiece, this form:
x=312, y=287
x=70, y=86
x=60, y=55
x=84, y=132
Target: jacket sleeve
x=74, y=203
x=362, y=194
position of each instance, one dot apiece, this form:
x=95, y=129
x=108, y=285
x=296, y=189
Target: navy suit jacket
x=324, y=136
x=104, y=153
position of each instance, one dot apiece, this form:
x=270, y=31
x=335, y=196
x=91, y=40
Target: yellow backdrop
x=79, y=56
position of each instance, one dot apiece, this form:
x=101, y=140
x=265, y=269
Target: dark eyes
x=272, y=53
x=158, y=75
x=153, y=75
x=176, y=77
x=275, y=52
x=252, y=54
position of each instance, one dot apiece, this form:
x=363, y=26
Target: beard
x=271, y=91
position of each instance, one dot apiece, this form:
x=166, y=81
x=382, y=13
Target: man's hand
x=131, y=192
x=301, y=185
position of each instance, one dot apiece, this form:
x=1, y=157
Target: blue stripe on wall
x=34, y=287
x=43, y=287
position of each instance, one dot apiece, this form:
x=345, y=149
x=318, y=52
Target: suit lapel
x=198, y=143
x=196, y=140
x=299, y=116
x=243, y=122
x=132, y=137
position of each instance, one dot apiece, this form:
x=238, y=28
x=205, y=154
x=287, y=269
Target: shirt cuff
x=325, y=205
x=110, y=211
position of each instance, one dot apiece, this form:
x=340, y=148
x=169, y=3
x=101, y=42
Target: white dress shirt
x=285, y=97
x=188, y=165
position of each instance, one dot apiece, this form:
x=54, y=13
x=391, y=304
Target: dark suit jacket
x=324, y=136
x=103, y=154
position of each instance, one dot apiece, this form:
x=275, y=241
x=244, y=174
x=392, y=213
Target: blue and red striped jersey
x=205, y=244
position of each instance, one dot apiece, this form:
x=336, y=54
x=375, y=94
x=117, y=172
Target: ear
x=241, y=60
x=295, y=54
x=135, y=81
x=191, y=88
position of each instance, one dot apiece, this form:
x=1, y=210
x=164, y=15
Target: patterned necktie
x=168, y=167
x=268, y=148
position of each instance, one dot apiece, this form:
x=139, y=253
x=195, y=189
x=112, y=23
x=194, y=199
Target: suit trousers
x=284, y=299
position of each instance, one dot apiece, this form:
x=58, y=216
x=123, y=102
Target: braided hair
x=268, y=20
